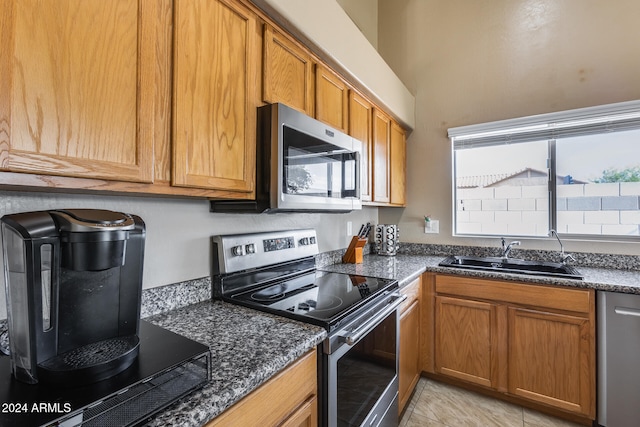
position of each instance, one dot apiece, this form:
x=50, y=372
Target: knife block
x=353, y=255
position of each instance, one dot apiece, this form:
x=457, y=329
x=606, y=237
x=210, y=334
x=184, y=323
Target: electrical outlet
x=432, y=227
x=349, y=228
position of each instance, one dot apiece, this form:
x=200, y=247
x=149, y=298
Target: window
x=575, y=171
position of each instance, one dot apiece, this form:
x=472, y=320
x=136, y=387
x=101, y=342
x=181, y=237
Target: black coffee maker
x=74, y=281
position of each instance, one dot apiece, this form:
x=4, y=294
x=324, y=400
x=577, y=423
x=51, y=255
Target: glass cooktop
x=318, y=297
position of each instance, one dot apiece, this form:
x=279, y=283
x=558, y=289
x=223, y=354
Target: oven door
x=361, y=375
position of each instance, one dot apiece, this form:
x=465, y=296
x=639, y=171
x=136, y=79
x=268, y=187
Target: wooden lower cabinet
x=532, y=344
x=409, y=351
x=289, y=399
x=466, y=340
x=305, y=416
x=549, y=358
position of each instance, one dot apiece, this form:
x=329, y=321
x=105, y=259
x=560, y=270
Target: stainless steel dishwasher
x=618, y=359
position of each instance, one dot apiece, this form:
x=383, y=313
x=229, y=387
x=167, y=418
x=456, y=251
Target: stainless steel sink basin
x=519, y=266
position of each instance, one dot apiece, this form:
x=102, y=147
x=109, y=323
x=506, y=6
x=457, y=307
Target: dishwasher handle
x=355, y=336
x=625, y=311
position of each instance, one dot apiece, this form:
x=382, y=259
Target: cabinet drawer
x=557, y=298
x=278, y=399
x=412, y=291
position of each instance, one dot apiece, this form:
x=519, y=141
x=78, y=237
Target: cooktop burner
x=278, y=291
x=318, y=297
x=275, y=271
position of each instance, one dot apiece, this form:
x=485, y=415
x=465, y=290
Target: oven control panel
x=237, y=252
x=278, y=244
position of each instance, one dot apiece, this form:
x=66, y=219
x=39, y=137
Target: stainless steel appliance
x=275, y=272
x=73, y=281
x=618, y=350
x=302, y=165
x=386, y=238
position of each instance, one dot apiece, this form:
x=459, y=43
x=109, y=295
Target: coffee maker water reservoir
x=74, y=281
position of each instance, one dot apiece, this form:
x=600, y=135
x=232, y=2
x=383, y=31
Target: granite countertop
x=405, y=268
x=247, y=348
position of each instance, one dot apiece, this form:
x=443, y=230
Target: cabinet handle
x=627, y=311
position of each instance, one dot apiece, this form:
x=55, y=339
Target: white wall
x=470, y=62
x=178, y=230
x=363, y=13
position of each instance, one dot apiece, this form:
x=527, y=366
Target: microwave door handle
x=355, y=336
x=329, y=179
x=358, y=173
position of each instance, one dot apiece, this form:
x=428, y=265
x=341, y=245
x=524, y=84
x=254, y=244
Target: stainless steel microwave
x=302, y=165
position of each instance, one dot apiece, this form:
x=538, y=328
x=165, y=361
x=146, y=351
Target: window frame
x=550, y=127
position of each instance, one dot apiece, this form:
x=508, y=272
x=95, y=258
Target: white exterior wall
x=601, y=209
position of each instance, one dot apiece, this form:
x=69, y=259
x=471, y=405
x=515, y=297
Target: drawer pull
x=627, y=311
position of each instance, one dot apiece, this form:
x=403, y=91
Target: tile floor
x=436, y=404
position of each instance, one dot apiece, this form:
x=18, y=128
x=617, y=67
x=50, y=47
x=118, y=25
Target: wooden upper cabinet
x=77, y=83
x=381, y=154
x=332, y=99
x=360, y=127
x=216, y=57
x=288, y=72
x=398, y=165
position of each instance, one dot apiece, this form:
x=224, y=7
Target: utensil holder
x=353, y=255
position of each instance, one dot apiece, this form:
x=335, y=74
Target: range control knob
x=250, y=248
x=304, y=241
x=238, y=250
x=312, y=240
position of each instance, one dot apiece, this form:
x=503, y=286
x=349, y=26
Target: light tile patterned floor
x=436, y=404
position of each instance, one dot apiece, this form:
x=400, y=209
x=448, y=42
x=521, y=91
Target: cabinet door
x=305, y=416
x=78, y=89
x=398, y=165
x=550, y=359
x=332, y=99
x=360, y=116
x=466, y=344
x=409, y=372
x=215, y=95
x=381, y=151
x=288, y=74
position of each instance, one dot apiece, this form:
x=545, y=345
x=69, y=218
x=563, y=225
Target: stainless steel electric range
x=275, y=272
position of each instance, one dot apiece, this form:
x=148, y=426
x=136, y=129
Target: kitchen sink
x=512, y=265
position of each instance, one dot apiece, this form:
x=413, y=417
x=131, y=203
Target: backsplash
x=335, y=257
x=164, y=298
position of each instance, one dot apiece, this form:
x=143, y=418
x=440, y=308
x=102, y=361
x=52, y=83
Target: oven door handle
x=355, y=335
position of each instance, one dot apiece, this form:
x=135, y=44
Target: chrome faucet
x=507, y=248
x=563, y=257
